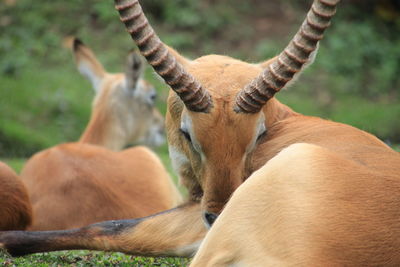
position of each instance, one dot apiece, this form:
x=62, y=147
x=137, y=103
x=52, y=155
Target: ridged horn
x=253, y=97
x=195, y=97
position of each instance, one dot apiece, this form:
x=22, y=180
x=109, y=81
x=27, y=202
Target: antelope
x=123, y=109
x=309, y=191
x=75, y=184
x=15, y=208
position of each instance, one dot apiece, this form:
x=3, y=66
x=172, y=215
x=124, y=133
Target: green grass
x=43, y=108
x=46, y=107
x=86, y=258
x=379, y=117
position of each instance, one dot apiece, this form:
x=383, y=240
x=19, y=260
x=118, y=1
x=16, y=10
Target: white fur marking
x=260, y=129
x=178, y=159
x=86, y=70
x=187, y=125
x=188, y=250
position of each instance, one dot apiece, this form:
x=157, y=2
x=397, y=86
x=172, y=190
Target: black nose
x=210, y=217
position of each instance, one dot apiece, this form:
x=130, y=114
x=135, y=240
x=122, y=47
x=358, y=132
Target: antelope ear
x=310, y=60
x=87, y=63
x=134, y=70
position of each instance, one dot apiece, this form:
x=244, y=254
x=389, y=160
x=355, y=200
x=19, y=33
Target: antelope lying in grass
x=76, y=184
x=314, y=191
x=15, y=208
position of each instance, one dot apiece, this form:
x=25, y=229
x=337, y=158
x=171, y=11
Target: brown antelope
x=123, y=109
x=15, y=208
x=76, y=184
x=315, y=191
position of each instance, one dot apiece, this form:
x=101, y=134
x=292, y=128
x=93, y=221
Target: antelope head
x=220, y=108
x=123, y=110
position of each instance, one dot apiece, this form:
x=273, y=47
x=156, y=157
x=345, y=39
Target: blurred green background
x=44, y=101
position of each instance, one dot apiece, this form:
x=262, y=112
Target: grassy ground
x=89, y=258
x=86, y=258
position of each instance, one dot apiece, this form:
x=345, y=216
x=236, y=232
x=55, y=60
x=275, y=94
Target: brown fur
x=163, y=234
x=76, y=184
x=310, y=191
x=123, y=110
x=223, y=77
x=311, y=206
x=224, y=136
x=15, y=208
x=171, y=238
x=333, y=198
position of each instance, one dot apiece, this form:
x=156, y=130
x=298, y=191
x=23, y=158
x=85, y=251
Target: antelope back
x=76, y=184
x=123, y=110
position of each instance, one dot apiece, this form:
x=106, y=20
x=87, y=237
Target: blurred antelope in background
x=123, y=110
x=76, y=184
x=314, y=191
x=15, y=208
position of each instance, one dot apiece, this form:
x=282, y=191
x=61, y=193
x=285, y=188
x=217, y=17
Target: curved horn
x=195, y=97
x=253, y=97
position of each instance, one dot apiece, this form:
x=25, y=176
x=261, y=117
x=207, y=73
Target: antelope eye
x=186, y=135
x=261, y=136
x=153, y=97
